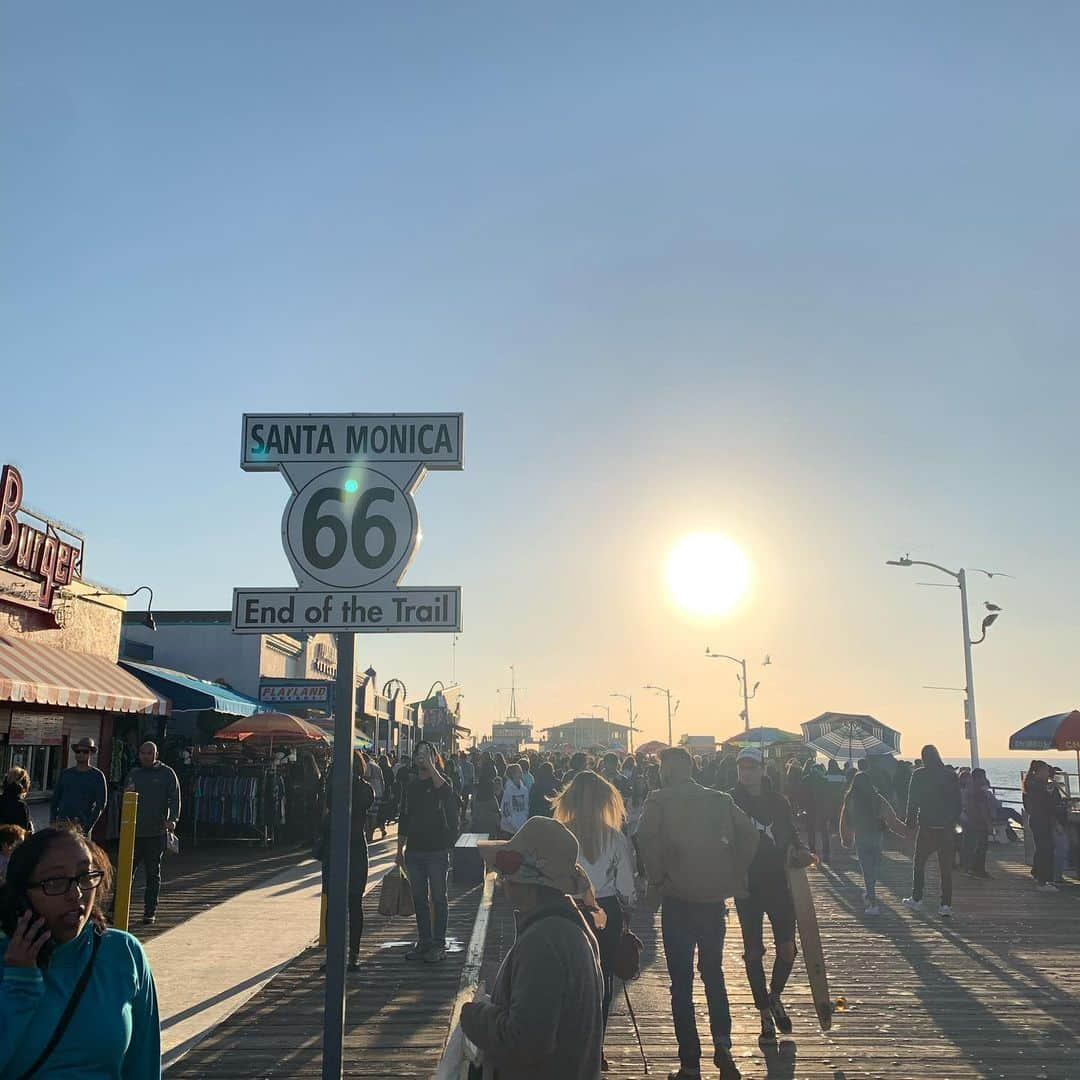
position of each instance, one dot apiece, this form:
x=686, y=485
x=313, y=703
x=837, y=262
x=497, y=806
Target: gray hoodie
x=544, y=1020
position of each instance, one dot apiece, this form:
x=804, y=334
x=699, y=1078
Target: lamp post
x=746, y=694
x=960, y=577
x=148, y=619
x=664, y=690
x=630, y=714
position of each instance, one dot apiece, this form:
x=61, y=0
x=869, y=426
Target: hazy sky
x=806, y=278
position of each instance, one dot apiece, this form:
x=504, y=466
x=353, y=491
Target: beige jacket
x=696, y=843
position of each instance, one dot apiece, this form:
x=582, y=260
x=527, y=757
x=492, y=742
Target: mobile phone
x=22, y=905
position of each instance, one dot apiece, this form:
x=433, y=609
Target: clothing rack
x=238, y=795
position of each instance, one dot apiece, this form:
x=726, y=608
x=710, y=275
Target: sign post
x=350, y=530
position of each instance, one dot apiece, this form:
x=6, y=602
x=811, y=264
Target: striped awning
x=39, y=675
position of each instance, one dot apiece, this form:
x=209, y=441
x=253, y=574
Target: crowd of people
x=691, y=834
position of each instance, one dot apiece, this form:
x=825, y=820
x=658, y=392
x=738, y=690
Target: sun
x=707, y=573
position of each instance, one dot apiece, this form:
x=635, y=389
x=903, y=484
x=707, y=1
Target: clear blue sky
x=810, y=279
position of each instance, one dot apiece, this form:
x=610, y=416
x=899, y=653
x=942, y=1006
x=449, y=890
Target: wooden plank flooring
x=396, y=1017
x=995, y=992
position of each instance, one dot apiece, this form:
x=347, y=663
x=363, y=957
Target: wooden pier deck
x=993, y=992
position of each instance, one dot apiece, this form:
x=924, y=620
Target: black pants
x=148, y=851
x=976, y=841
x=1042, y=832
x=774, y=901
x=358, y=875
x=931, y=840
x=608, y=939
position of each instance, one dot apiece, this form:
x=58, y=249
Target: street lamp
x=148, y=618
x=630, y=713
x=960, y=577
x=664, y=690
x=747, y=695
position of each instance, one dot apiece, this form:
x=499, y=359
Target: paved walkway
x=210, y=964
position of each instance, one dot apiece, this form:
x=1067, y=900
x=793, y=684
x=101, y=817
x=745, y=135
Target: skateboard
x=810, y=940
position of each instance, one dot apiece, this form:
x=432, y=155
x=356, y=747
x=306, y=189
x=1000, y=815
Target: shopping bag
x=453, y=1062
x=395, y=896
x=172, y=843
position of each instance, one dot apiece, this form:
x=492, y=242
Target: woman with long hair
x=1039, y=804
x=593, y=810
x=13, y=808
x=363, y=796
x=864, y=817
x=58, y=950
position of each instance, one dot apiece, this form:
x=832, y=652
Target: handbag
x=172, y=843
x=626, y=959
x=395, y=895
x=69, y=1011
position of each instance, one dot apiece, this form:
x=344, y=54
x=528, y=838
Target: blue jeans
x=686, y=925
x=868, y=848
x=426, y=871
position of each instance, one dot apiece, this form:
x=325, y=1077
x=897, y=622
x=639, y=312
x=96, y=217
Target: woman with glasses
x=76, y=998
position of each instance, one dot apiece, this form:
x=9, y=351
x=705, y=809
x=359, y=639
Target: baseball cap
x=86, y=743
x=749, y=753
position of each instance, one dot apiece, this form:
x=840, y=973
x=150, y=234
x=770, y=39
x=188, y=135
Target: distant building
x=587, y=733
x=510, y=735
x=699, y=744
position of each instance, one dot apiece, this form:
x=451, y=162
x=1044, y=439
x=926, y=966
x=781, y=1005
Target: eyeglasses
x=87, y=881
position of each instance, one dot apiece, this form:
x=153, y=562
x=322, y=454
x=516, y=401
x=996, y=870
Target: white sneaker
x=873, y=909
x=1048, y=887
x=915, y=905
x=945, y=911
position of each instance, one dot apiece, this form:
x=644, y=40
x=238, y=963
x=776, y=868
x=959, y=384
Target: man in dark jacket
x=934, y=804
x=767, y=890
x=159, y=811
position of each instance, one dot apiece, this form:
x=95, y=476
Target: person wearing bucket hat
x=545, y=1016
x=697, y=846
x=81, y=793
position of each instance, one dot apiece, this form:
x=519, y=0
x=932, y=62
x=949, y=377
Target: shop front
x=59, y=642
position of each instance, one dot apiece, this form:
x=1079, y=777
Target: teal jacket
x=115, y=1033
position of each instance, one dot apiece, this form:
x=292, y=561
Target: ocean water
x=1004, y=772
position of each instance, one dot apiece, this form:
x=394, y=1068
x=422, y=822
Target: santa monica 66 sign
x=350, y=528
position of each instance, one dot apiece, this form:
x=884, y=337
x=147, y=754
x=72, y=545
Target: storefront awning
x=191, y=694
x=40, y=675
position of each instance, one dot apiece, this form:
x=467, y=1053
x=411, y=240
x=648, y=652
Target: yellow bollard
x=125, y=860
x=322, y=922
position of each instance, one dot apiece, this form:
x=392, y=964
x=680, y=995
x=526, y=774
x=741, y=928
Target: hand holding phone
x=27, y=941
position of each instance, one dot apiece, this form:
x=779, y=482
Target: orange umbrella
x=270, y=725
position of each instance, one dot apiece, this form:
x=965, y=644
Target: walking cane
x=633, y=1018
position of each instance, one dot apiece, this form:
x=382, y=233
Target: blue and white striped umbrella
x=848, y=742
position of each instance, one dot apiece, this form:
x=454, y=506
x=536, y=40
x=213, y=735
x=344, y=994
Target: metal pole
x=340, y=827
x=669, y=740
x=630, y=709
x=745, y=698
x=962, y=578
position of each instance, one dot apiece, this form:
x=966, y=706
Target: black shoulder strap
x=69, y=1012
